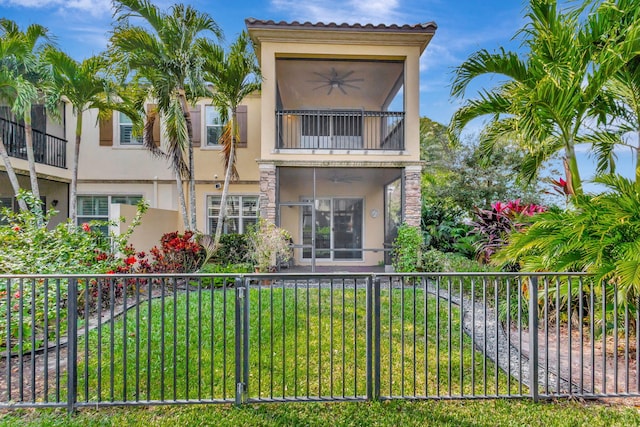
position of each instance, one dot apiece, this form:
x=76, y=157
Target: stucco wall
x=155, y=223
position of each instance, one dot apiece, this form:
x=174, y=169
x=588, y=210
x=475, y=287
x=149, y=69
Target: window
x=97, y=208
x=126, y=128
x=5, y=202
x=215, y=125
x=242, y=211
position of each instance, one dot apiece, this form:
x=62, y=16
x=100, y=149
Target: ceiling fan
x=344, y=178
x=334, y=80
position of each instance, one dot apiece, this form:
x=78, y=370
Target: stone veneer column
x=412, y=195
x=268, y=192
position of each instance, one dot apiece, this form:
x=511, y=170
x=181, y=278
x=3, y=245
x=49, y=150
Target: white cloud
x=92, y=7
x=351, y=11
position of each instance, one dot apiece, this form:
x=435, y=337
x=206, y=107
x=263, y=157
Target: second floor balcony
x=339, y=130
x=48, y=149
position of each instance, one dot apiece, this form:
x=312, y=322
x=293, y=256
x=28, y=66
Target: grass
x=314, y=317
x=395, y=413
x=304, y=343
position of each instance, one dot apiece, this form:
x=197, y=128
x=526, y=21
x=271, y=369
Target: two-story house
x=329, y=148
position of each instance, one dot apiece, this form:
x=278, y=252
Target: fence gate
x=306, y=339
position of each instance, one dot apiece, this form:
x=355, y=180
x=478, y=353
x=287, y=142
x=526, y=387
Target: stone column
x=412, y=195
x=268, y=192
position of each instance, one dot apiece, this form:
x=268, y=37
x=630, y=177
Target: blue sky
x=81, y=28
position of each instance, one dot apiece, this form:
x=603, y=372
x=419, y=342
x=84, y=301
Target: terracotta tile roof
x=420, y=28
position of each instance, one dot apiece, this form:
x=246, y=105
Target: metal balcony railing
x=48, y=149
x=339, y=130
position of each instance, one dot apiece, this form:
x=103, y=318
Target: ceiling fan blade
x=324, y=76
x=347, y=74
x=321, y=86
x=352, y=80
x=330, y=89
x=351, y=86
x=342, y=89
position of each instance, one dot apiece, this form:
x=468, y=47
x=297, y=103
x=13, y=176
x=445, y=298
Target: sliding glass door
x=338, y=229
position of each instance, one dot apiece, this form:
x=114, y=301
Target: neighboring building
x=329, y=149
x=52, y=155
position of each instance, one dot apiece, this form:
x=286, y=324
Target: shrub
x=443, y=226
x=268, y=245
x=178, y=253
x=223, y=269
x=233, y=249
x=407, y=249
x=493, y=226
x=29, y=247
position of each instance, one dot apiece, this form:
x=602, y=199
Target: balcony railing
x=47, y=149
x=339, y=130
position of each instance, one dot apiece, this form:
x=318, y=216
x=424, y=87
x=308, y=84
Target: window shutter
x=106, y=132
x=156, y=125
x=241, y=115
x=196, y=125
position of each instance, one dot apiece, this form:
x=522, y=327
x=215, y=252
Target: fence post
x=533, y=338
x=245, y=344
x=72, y=345
x=369, y=344
x=373, y=337
x=239, y=295
x=376, y=333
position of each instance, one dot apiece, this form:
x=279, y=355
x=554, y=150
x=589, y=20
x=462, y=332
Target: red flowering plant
x=493, y=226
x=178, y=253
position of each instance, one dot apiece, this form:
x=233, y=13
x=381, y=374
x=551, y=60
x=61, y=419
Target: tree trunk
x=183, y=202
x=12, y=175
x=31, y=159
x=192, y=181
x=572, y=167
x=73, y=190
x=227, y=180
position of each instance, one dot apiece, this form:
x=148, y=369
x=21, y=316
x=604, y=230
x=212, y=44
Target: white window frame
x=110, y=197
x=207, y=111
x=242, y=227
x=120, y=124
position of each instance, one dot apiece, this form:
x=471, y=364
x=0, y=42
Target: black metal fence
x=74, y=341
x=47, y=149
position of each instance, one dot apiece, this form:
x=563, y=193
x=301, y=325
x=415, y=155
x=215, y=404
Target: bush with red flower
x=493, y=226
x=178, y=253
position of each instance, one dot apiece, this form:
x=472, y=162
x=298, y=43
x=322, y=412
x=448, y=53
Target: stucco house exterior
x=329, y=149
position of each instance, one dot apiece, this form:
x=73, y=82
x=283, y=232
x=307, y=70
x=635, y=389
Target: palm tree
x=86, y=86
x=234, y=75
x=10, y=85
x=21, y=76
x=164, y=55
x=552, y=93
x=621, y=117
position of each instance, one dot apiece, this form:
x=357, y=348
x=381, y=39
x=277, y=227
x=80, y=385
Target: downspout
x=155, y=191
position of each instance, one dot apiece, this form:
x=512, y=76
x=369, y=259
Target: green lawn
x=305, y=343
x=395, y=413
x=314, y=317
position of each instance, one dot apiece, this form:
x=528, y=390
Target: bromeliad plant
x=599, y=234
x=493, y=226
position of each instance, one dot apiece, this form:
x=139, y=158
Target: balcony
x=339, y=130
x=47, y=149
